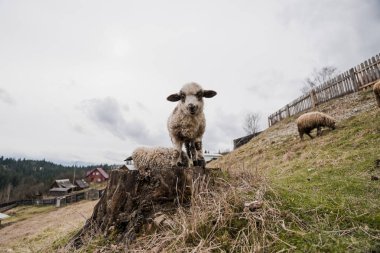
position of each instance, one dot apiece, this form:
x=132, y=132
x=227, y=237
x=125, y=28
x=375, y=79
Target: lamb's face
x=190, y=98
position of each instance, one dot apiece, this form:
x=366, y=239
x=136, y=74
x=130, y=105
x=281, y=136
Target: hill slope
x=310, y=196
x=40, y=228
x=324, y=183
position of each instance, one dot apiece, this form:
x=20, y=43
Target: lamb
x=187, y=122
x=376, y=90
x=308, y=121
x=158, y=158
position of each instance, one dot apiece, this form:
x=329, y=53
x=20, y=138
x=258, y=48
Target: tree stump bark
x=131, y=199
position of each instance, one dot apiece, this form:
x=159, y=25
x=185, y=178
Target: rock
x=377, y=163
x=253, y=205
x=162, y=219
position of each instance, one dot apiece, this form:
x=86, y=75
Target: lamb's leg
x=176, y=160
x=308, y=133
x=188, y=149
x=319, y=131
x=191, y=152
x=377, y=96
x=199, y=153
x=301, y=135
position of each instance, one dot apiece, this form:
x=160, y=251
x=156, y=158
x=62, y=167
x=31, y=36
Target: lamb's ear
x=174, y=97
x=209, y=93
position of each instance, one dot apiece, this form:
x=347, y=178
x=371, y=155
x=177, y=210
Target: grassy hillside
x=323, y=185
x=312, y=195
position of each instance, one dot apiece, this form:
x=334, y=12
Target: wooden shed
x=81, y=184
x=56, y=191
x=61, y=187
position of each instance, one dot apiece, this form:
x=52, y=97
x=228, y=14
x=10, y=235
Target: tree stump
x=131, y=199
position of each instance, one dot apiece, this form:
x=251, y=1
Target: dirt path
x=37, y=233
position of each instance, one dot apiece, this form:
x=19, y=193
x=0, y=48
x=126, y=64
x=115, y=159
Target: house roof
x=4, y=216
x=64, y=183
x=210, y=157
x=129, y=158
x=81, y=183
x=100, y=170
x=129, y=167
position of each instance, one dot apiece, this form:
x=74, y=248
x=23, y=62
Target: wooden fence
x=91, y=194
x=360, y=77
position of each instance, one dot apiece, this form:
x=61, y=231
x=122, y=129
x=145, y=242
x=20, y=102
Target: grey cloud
x=142, y=107
x=116, y=157
x=5, y=97
x=263, y=80
x=79, y=129
x=68, y=84
x=107, y=114
x=221, y=131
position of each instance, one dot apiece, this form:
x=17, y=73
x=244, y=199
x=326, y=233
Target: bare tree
x=318, y=77
x=251, y=123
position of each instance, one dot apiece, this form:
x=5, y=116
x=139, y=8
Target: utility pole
x=75, y=167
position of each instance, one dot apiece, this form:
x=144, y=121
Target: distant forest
x=24, y=179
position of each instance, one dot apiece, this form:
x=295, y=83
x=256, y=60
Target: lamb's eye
x=183, y=97
x=199, y=95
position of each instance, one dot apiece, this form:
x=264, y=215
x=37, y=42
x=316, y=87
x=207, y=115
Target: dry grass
x=35, y=229
x=217, y=220
x=324, y=183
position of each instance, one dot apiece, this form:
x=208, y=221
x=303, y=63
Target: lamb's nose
x=192, y=108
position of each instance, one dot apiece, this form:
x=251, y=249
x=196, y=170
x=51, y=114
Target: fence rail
x=63, y=200
x=353, y=80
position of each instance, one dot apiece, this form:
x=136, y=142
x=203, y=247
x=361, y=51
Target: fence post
x=313, y=97
x=353, y=79
x=287, y=111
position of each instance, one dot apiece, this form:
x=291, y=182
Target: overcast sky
x=87, y=80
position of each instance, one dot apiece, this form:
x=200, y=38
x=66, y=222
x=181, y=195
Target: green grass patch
x=24, y=212
x=322, y=187
x=330, y=188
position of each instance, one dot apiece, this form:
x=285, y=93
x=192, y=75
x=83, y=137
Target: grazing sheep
x=308, y=121
x=187, y=122
x=376, y=90
x=157, y=158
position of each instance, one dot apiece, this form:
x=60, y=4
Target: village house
x=128, y=164
x=211, y=157
x=61, y=187
x=244, y=140
x=97, y=175
x=81, y=184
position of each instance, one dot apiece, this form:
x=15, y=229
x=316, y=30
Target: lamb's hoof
x=179, y=164
x=201, y=163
